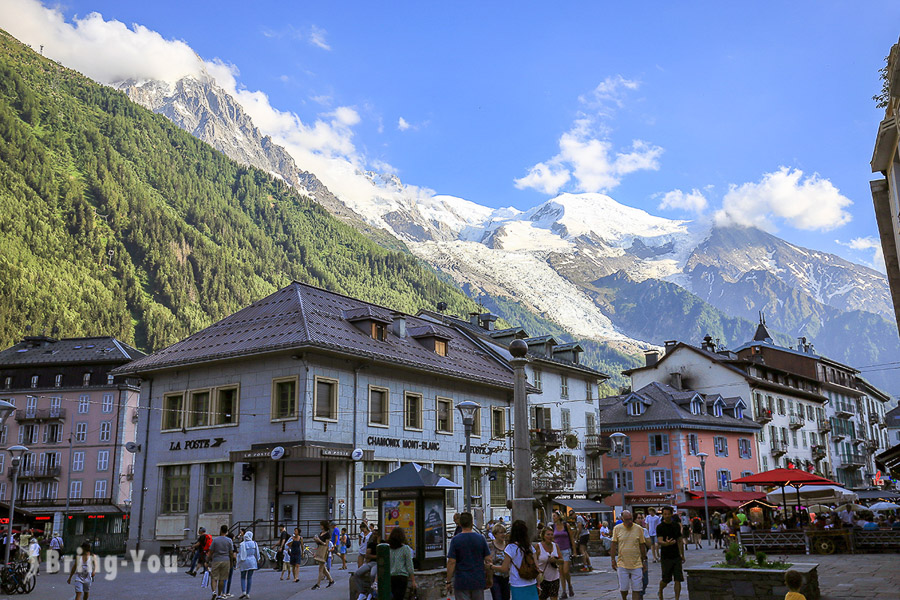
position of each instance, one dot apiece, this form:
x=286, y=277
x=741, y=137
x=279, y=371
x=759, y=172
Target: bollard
x=383, y=552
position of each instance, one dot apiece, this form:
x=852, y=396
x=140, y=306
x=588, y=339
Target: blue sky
x=510, y=103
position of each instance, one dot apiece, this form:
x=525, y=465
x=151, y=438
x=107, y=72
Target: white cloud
x=587, y=158
x=693, y=201
x=402, y=124
x=870, y=244
x=317, y=38
x=812, y=203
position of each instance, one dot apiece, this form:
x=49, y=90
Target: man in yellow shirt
x=630, y=546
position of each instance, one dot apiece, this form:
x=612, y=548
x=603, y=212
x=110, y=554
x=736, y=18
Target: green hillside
x=114, y=221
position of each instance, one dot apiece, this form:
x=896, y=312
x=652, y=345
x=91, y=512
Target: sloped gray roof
x=892, y=417
x=43, y=350
x=663, y=406
x=301, y=316
x=411, y=477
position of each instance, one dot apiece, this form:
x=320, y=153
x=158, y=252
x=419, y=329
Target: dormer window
x=58, y=381
x=635, y=408
x=696, y=406
x=378, y=331
x=738, y=412
x=440, y=347
x=86, y=379
x=34, y=381
x=432, y=339
x=717, y=409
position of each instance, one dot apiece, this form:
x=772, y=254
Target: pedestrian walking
x=283, y=538
x=236, y=540
x=201, y=548
x=629, y=555
x=696, y=531
x=467, y=559
x=83, y=570
x=324, y=548
x=335, y=543
x=343, y=542
x=361, y=545
x=565, y=541
x=285, y=556
x=248, y=562
x=652, y=520
x=296, y=547
x=645, y=575
x=221, y=557
x=401, y=564
x=519, y=563
x=500, y=586
x=671, y=551
x=583, y=535
x=34, y=556
x=716, y=524
x=547, y=558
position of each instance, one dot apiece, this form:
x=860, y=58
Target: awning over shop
x=582, y=505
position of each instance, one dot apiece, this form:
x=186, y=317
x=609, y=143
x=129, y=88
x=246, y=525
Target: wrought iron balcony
x=763, y=416
x=852, y=459
x=838, y=434
x=41, y=414
x=824, y=425
x=600, y=485
x=40, y=473
x=548, y=484
x=779, y=448
x=596, y=444
x=548, y=439
x=819, y=452
x=843, y=410
x=872, y=445
x=797, y=421
x=874, y=419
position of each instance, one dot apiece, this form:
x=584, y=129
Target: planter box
x=708, y=583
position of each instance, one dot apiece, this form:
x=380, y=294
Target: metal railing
x=40, y=473
x=797, y=421
x=600, y=485
x=778, y=447
x=763, y=416
x=41, y=414
x=596, y=444
x=548, y=438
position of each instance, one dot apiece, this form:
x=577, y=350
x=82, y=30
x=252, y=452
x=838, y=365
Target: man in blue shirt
x=335, y=544
x=466, y=561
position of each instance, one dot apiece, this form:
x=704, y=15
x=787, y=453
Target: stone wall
x=708, y=583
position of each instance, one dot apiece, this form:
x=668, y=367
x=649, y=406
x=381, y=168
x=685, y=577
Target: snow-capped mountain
x=598, y=268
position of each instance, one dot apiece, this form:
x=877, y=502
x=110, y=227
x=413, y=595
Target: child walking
x=285, y=563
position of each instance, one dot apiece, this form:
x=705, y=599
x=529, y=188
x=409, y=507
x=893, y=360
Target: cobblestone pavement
x=841, y=577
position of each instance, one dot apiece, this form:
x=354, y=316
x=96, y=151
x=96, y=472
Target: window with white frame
x=794, y=438
x=590, y=423
x=476, y=423
x=723, y=477
x=55, y=403
x=373, y=470
x=803, y=439
x=107, y=405
x=2, y=461
x=659, y=444
x=105, y=429
x=3, y=491
x=379, y=402
x=717, y=409
x=444, y=422
x=3, y=435
x=744, y=448
x=84, y=404
x=720, y=444
x=103, y=460
x=748, y=488
x=325, y=403
x=86, y=379
x=218, y=491
x=7, y=383
x=626, y=447
x=34, y=381
x=635, y=408
x=80, y=432
x=738, y=412
x=537, y=379
x=75, y=489
x=622, y=479
x=696, y=479
x=412, y=411
x=761, y=435
x=78, y=461
x=30, y=405
x=658, y=479
x=176, y=482
x=696, y=406
x=693, y=444
x=589, y=391
x=564, y=386
x=100, y=488
x=565, y=419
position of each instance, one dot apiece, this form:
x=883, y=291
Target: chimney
x=651, y=357
x=708, y=344
x=473, y=318
x=398, y=327
x=486, y=321
x=676, y=380
x=670, y=344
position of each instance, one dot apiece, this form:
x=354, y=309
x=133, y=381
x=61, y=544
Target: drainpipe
x=117, y=448
x=145, y=450
x=351, y=481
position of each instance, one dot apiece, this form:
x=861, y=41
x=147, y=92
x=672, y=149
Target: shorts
x=633, y=578
x=527, y=592
x=566, y=554
x=653, y=539
x=583, y=540
x=219, y=570
x=671, y=568
x=82, y=586
x=342, y=549
x=286, y=565
x=548, y=589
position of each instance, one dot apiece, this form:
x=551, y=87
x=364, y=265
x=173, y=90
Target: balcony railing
x=62, y=502
x=41, y=414
x=548, y=484
x=600, y=485
x=824, y=425
x=819, y=452
x=549, y=439
x=779, y=448
x=852, y=459
x=872, y=445
x=844, y=409
x=596, y=444
x=763, y=416
x=40, y=473
x=874, y=419
x=797, y=421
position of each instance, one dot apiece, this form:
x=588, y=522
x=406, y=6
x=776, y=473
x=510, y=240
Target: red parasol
x=795, y=478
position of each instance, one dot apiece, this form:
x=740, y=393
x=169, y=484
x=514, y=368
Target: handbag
x=204, y=583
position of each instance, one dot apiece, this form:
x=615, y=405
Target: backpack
x=528, y=569
x=207, y=542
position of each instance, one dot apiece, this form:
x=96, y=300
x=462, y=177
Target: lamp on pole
x=17, y=452
x=523, y=491
x=618, y=441
x=468, y=409
x=6, y=409
x=702, y=457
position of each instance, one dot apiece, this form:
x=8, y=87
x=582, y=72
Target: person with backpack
x=201, y=547
x=519, y=562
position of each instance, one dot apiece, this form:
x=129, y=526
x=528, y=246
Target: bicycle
x=17, y=578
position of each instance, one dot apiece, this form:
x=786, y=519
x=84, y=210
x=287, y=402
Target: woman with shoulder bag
x=565, y=541
x=500, y=585
x=401, y=563
x=547, y=559
x=519, y=563
x=323, y=547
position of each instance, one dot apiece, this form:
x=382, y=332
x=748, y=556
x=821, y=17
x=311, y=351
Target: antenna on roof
x=441, y=306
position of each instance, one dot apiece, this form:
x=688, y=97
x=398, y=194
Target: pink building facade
x=666, y=429
x=75, y=419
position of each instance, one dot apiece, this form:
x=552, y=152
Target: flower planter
x=706, y=582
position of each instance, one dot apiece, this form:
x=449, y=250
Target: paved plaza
x=841, y=577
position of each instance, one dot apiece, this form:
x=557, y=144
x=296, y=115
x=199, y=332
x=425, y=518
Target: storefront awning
x=582, y=505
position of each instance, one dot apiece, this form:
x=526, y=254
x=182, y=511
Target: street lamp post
x=17, y=452
x=703, y=456
x=618, y=440
x=523, y=490
x=7, y=409
x=468, y=409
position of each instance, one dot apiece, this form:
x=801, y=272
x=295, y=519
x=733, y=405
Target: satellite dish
x=132, y=447
x=357, y=454
x=276, y=453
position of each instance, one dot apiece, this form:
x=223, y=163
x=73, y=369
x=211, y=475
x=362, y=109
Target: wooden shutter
x=665, y=443
x=649, y=477
x=629, y=479
x=669, y=480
